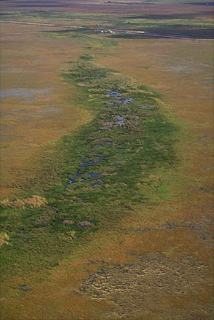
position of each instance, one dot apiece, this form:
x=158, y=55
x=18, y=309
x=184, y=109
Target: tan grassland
x=182, y=71
x=156, y=281
x=29, y=125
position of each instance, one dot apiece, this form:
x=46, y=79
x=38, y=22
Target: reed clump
x=4, y=238
x=32, y=202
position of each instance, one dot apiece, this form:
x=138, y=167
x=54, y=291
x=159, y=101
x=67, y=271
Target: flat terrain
x=106, y=161
x=35, y=110
x=118, y=7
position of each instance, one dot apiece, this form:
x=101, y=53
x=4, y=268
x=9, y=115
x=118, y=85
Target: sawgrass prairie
x=106, y=160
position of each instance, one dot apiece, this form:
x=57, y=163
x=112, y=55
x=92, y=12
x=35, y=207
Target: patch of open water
x=113, y=93
x=23, y=93
x=95, y=184
x=121, y=120
x=146, y=107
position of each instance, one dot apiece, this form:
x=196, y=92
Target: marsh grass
x=154, y=23
x=86, y=27
x=33, y=202
x=97, y=175
x=4, y=238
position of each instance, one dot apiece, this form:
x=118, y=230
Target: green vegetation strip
x=99, y=174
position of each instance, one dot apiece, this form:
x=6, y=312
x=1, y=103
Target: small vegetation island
x=106, y=160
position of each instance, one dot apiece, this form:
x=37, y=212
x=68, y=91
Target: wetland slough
x=106, y=169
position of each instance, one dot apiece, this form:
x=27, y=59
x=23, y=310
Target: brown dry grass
x=32, y=202
x=30, y=125
x=4, y=238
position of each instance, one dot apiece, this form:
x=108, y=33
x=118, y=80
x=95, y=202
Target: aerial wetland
x=106, y=160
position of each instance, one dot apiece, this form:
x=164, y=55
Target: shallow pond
x=23, y=93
